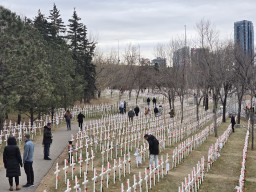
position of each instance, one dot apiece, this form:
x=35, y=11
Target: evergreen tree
x=57, y=26
x=42, y=25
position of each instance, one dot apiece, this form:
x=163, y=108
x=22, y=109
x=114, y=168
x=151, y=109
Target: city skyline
x=143, y=23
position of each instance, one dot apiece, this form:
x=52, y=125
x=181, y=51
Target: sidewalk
x=41, y=167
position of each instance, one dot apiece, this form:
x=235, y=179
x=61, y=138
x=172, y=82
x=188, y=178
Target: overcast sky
x=142, y=22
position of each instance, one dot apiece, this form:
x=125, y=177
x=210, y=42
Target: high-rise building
x=181, y=57
x=244, y=36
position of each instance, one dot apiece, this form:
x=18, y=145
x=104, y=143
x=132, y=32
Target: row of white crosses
x=74, y=162
x=12, y=128
x=186, y=147
x=214, y=149
x=148, y=180
x=94, y=110
x=240, y=186
x=193, y=181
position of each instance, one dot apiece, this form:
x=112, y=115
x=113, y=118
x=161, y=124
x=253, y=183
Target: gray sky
x=142, y=22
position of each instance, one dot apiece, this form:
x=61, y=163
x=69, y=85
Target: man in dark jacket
x=148, y=101
x=154, y=101
x=47, y=140
x=153, y=149
x=131, y=114
x=137, y=110
x=80, y=118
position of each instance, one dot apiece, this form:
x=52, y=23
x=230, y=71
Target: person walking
x=233, y=122
x=131, y=114
x=148, y=101
x=80, y=118
x=137, y=110
x=28, y=161
x=153, y=149
x=154, y=101
x=47, y=140
x=156, y=111
x=68, y=116
x=12, y=162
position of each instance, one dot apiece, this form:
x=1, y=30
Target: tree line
x=44, y=64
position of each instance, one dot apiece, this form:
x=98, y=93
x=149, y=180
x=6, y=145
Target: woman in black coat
x=12, y=162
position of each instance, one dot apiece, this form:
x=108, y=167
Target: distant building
x=181, y=57
x=244, y=36
x=197, y=55
x=159, y=62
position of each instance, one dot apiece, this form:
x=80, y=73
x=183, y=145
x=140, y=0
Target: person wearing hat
x=47, y=140
x=28, y=161
x=153, y=149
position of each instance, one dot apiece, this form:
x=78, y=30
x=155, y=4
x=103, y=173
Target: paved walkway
x=41, y=167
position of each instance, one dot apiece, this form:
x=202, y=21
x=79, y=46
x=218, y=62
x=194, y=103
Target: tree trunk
x=239, y=110
x=99, y=93
x=31, y=111
x=137, y=96
x=52, y=113
x=182, y=105
x=19, y=118
x=215, y=106
x=130, y=94
x=224, y=110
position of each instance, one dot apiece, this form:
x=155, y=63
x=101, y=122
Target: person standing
x=28, y=161
x=68, y=116
x=233, y=122
x=153, y=149
x=124, y=106
x=156, y=111
x=12, y=162
x=47, y=140
x=80, y=118
x=154, y=101
x=137, y=110
x=148, y=101
x=131, y=114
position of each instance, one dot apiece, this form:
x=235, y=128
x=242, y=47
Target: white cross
x=80, y=162
x=65, y=169
x=85, y=181
x=57, y=175
x=94, y=179
x=72, y=164
x=77, y=185
x=68, y=186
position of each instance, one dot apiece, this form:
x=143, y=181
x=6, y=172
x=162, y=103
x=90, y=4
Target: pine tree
x=57, y=26
x=42, y=25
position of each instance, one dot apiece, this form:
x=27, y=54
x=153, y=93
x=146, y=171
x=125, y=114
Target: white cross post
x=119, y=168
x=73, y=167
x=65, y=170
x=92, y=157
x=77, y=185
x=68, y=186
x=80, y=163
x=146, y=179
x=134, y=183
x=85, y=181
x=140, y=182
x=56, y=175
x=114, y=171
x=94, y=179
x=101, y=177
